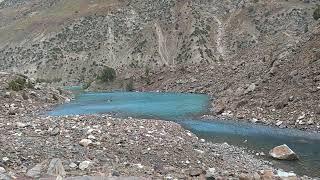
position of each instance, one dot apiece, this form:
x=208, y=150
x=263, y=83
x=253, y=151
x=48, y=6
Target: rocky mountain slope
x=260, y=57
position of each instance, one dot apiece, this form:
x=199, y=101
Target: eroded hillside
x=260, y=57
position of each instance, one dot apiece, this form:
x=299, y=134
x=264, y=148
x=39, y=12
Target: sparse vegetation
x=316, y=14
x=108, y=74
x=147, y=75
x=130, y=85
x=19, y=84
x=39, y=80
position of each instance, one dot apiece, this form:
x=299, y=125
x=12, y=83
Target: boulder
x=283, y=152
x=267, y=175
x=35, y=172
x=286, y=175
x=56, y=168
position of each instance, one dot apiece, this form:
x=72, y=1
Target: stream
x=186, y=109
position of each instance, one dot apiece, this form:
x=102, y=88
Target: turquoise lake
x=186, y=109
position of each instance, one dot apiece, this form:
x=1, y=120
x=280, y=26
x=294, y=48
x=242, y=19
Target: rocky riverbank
x=20, y=96
x=35, y=146
x=106, y=146
x=234, y=97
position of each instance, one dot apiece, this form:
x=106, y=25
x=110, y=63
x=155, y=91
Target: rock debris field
x=34, y=146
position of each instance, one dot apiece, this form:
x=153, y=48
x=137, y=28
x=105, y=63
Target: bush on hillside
x=129, y=85
x=316, y=14
x=107, y=75
x=18, y=84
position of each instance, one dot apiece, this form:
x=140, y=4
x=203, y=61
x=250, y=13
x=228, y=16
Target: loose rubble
x=38, y=146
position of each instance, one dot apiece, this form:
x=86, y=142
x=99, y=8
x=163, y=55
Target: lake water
x=185, y=108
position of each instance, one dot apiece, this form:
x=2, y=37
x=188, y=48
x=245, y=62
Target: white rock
x=303, y=115
x=91, y=137
x=85, y=142
x=310, y=122
x=5, y=159
x=211, y=172
x=73, y=165
x=90, y=131
x=21, y=125
x=2, y=170
x=279, y=123
x=285, y=175
x=139, y=166
x=254, y=120
x=84, y=165
x=202, y=140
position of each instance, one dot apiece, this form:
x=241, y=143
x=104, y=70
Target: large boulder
x=283, y=152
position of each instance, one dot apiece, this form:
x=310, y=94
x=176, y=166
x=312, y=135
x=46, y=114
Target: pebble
x=2, y=170
x=210, y=172
x=91, y=137
x=279, y=123
x=85, y=142
x=21, y=125
x=55, y=131
x=73, y=165
x=254, y=120
x=84, y=165
x=195, y=172
x=5, y=159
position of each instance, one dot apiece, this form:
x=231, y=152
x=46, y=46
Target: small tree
x=107, y=75
x=17, y=84
x=316, y=14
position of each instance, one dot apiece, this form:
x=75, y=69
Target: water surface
x=184, y=108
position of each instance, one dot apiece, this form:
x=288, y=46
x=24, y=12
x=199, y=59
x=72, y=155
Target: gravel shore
x=111, y=146
x=34, y=146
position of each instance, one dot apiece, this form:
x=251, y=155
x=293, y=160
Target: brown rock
x=267, y=175
x=283, y=152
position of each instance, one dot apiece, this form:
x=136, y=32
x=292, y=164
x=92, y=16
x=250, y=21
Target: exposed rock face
x=283, y=152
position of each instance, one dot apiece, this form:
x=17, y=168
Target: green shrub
x=18, y=84
x=129, y=85
x=107, y=75
x=316, y=14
